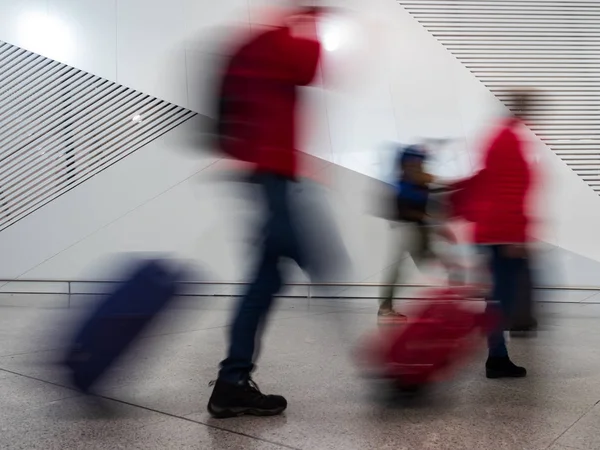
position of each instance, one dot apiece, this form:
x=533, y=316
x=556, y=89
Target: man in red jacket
x=258, y=111
x=498, y=195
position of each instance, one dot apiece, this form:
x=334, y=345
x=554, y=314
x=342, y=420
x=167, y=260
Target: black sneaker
x=503, y=368
x=244, y=398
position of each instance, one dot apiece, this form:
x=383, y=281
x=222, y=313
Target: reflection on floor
x=157, y=396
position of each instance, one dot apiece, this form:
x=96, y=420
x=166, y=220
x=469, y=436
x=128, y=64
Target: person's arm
x=464, y=195
x=415, y=174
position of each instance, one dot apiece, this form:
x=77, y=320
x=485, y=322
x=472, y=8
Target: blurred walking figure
x=256, y=124
x=409, y=212
x=420, y=214
x=499, y=195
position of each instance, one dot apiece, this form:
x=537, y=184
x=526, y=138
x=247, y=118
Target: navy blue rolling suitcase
x=119, y=319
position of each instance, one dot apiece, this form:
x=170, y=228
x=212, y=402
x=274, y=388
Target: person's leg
x=505, y=272
x=522, y=319
x=392, y=274
x=401, y=234
x=235, y=394
x=248, y=318
x=531, y=292
x=414, y=240
x=421, y=252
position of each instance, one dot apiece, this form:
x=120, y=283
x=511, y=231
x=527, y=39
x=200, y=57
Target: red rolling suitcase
x=431, y=344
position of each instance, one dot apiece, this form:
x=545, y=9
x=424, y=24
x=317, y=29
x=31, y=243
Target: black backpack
x=222, y=132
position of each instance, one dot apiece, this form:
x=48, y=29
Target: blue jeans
x=505, y=273
x=286, y=234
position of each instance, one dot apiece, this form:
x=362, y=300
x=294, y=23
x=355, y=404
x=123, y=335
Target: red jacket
x=263, y=77
x=495, y=199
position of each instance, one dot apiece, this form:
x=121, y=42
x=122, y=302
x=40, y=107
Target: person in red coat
x=258, y=126
x=497, y=205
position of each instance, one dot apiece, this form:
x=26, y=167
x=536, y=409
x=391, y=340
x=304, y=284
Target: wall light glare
x=332, y=39
x=335, y=32
x=41, y=33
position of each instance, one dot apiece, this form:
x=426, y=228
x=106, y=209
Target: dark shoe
x=82, y=378
x=503, y=368
x=244, y=398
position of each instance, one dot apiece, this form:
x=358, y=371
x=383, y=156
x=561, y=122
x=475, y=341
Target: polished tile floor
x=156, y=398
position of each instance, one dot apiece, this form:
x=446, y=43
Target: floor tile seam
x=157, y=411
x=563, y=447
x=39, y=380
x=555, y=441
x=33, y=352
x=186, y=418
x=228, y=430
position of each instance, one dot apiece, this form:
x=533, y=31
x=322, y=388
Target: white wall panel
x=424, y=86
x=314, y=121
x=201, y=69
x=146, y=202
x=15, y=30
x=104, y=198
x=362, y=121
x=205, y=16
x=209, y=224
x=179, y=221
x=81, y=33
x=422, y=97
x=92, y=25
x=151, y=40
